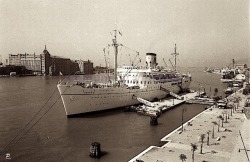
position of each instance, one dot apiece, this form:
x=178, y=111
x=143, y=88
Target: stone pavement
x=224, y=147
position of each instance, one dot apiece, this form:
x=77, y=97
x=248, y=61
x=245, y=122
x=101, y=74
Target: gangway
x=172, y=93
x=149, y=108
x=145, y=102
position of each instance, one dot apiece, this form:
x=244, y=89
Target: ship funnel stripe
x=152, y=54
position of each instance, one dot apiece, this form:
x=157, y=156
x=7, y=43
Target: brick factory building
x=54, y=65
x=45, y=63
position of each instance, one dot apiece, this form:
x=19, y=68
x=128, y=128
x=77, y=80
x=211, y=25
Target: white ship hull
x=129, y=82
x=77, y=99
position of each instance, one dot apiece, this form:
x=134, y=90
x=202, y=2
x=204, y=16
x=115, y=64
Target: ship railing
x=133, y=87
x=100, y=85
x=167, y=80
x=94, y=85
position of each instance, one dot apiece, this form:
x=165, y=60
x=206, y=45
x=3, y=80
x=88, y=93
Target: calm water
x=58, y=138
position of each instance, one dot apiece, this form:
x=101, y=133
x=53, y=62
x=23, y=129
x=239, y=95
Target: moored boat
x=229, y=90
x=12, y=73
x=149, y=83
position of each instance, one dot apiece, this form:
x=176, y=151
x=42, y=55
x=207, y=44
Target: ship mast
x=116, y=53
x=175, y=54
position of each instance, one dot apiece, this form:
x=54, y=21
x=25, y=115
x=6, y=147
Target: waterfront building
x=45, y=63
x=241, y=66
x=30, y=61
x=63, y=66
x=86, y=67
x=14, y=59
x=54, y=65
x=100, y=69
x=15, y=69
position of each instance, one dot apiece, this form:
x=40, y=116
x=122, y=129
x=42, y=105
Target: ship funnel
x=151, y=60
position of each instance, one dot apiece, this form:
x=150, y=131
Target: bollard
x=95, y=150
x=153, y=120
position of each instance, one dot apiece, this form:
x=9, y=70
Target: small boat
x=203, y=101
x=222, y=104
x=229, y=90
x=226, y=80
x=12, y=73
x=237, y=84
x=150, y=111
x=240, y=77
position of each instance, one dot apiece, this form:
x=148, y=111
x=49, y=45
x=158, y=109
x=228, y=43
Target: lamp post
x=184, y=109
x=231, y=110
x=208, y=137
x=226, y=117
x=199, y=90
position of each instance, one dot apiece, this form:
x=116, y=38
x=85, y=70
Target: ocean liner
x=129, y=83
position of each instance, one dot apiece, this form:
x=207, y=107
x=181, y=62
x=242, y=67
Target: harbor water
x=51, y=136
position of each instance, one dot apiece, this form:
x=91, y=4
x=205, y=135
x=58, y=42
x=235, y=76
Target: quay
x=225, y=146
x=154, y=108
x=170, y=103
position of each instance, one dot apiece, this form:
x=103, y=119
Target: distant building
x=17, y=69
x=30, y=61
x=44, y=63
x=54, y=65
x=64, y=66
x=86, y=67
x=241, y=66
x=100, y=69
x=14, y=59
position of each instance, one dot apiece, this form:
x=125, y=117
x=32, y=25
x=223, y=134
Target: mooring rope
x=21, y=131
x=35, y=123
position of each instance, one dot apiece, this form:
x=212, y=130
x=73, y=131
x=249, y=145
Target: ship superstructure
x=149, y=83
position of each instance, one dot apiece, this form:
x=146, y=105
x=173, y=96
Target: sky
x=207, y=32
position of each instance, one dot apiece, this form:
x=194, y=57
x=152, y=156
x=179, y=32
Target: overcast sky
x=207, y=32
